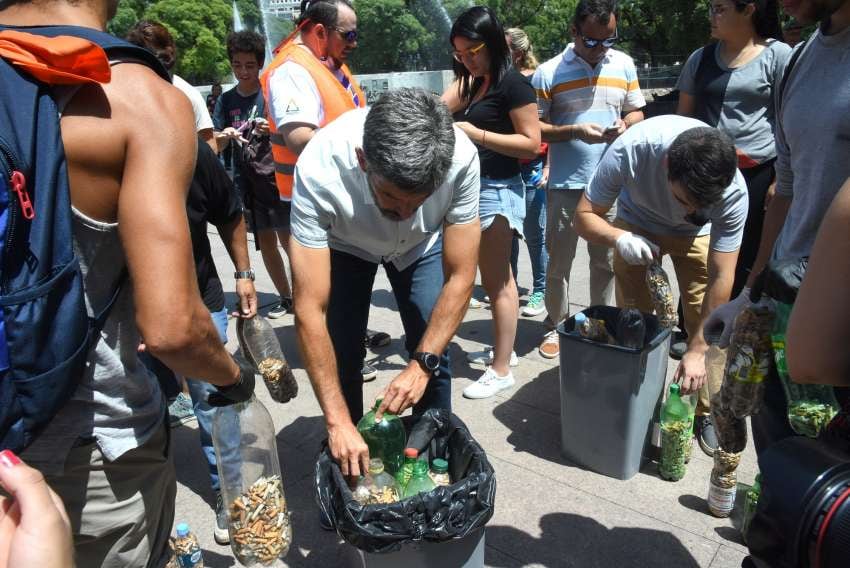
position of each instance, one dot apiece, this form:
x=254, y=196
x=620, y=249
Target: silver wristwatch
x=242, y=274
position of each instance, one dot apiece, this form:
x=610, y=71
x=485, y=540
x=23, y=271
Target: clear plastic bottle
x=386, y=439
x=675, y=436
x=661, y=295
x=187, y=551
x=748, y=359
x=440, y=472
x=750, y=506
x=593, y=329
x=723, y=485
x=258, y=519
x=810, y=407
x=403, y=475
x=261, y=348
x=420, y=482
x=377, y=486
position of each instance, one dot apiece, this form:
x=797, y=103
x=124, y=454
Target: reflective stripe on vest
x=336, y=100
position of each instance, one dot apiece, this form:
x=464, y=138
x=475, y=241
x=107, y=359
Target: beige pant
x=121, y=512
x=690, y=261
x=561, y=244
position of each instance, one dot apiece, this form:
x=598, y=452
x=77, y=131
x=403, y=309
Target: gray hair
x=408, y=140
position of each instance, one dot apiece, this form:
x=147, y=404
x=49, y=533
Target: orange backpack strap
x=61, y=60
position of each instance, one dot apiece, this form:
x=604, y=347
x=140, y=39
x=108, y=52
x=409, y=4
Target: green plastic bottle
x=386, y=439
x=420, y=482
x=675, y=435
x=405, y=472
x=750, y=506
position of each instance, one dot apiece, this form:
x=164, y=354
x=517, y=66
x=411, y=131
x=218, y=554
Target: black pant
x=758, y=181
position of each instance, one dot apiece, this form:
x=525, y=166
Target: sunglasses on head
x=471, y=52
x=590, y=43
x=348, y=35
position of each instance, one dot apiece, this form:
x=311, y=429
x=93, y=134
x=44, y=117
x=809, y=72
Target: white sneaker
x=489, y=384
x=474, y=304
x=486, y=357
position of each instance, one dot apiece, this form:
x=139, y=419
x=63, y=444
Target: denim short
x=505, y=197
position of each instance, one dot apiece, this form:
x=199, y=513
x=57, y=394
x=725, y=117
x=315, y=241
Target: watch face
x=432, y=361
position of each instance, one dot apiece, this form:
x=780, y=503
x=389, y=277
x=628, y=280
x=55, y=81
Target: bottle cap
x=376, y=466
x=674, y=388
x=440, y=465
x=411, y=453
x=580, y=318
x=182, y=529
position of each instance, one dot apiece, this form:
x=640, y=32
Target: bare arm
x=691, y=373
x=154, y=229
x=687, y=105
x=524, y=144
x=460, y=262
x=590, y=224
x=633, y=117
x=451, y=97
x=207, y=136
x=297, y=135
x=819, y=325
x=774, y=219
x=311, y=273
x=234, y=235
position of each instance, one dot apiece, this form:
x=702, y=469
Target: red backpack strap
x=61, y=60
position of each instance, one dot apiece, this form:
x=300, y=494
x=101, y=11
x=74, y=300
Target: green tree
x=392, y=38
x=129, y=12
x=251, y=15
x=662, y=32
x=200, y=29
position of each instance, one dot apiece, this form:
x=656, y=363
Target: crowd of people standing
x=434, y=189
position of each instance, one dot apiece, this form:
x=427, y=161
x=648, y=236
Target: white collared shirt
x=332, y=205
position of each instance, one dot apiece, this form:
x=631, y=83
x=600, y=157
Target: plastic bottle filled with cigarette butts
x=261, y=348
x=251, y=484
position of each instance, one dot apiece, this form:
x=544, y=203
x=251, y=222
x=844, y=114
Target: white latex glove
x=636, y=250
x=721, y=321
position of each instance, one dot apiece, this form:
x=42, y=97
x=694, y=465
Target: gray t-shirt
x=739, y=100
x=332, y=205
x=633, y=169
x=813, y=139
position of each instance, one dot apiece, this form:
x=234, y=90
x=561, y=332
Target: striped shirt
x=570, y=91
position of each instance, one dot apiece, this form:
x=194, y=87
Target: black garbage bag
x=442, y=514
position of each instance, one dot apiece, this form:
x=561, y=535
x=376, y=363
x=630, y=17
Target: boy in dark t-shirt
x=234, y=108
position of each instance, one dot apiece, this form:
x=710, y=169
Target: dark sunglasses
x=590, y=43
x=350, y=36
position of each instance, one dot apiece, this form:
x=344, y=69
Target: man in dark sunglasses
x=587, y=96
x=302, y=89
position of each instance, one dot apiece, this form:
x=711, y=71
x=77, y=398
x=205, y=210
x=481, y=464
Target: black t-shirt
x=212, y=199
x=492, y=113
x=232, y=109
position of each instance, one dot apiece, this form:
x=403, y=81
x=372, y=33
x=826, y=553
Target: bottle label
x=720, y=499
x=189, y=560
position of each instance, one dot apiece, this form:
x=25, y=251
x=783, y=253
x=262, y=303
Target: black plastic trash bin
x=610, y=395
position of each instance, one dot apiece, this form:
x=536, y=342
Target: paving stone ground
x=550, y=512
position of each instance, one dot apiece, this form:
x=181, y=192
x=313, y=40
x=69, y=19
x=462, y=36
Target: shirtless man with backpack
x=105, y=448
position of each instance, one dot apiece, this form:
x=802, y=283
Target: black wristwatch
x=429, y=362
x=244, y=274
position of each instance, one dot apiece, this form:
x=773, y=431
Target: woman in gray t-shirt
x=730, y=84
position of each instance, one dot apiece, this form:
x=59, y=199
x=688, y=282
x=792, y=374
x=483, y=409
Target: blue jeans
x=199, y=390
x=416, y=289
x=534, y=227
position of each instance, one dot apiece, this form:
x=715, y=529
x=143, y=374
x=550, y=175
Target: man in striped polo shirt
x=588, y=95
